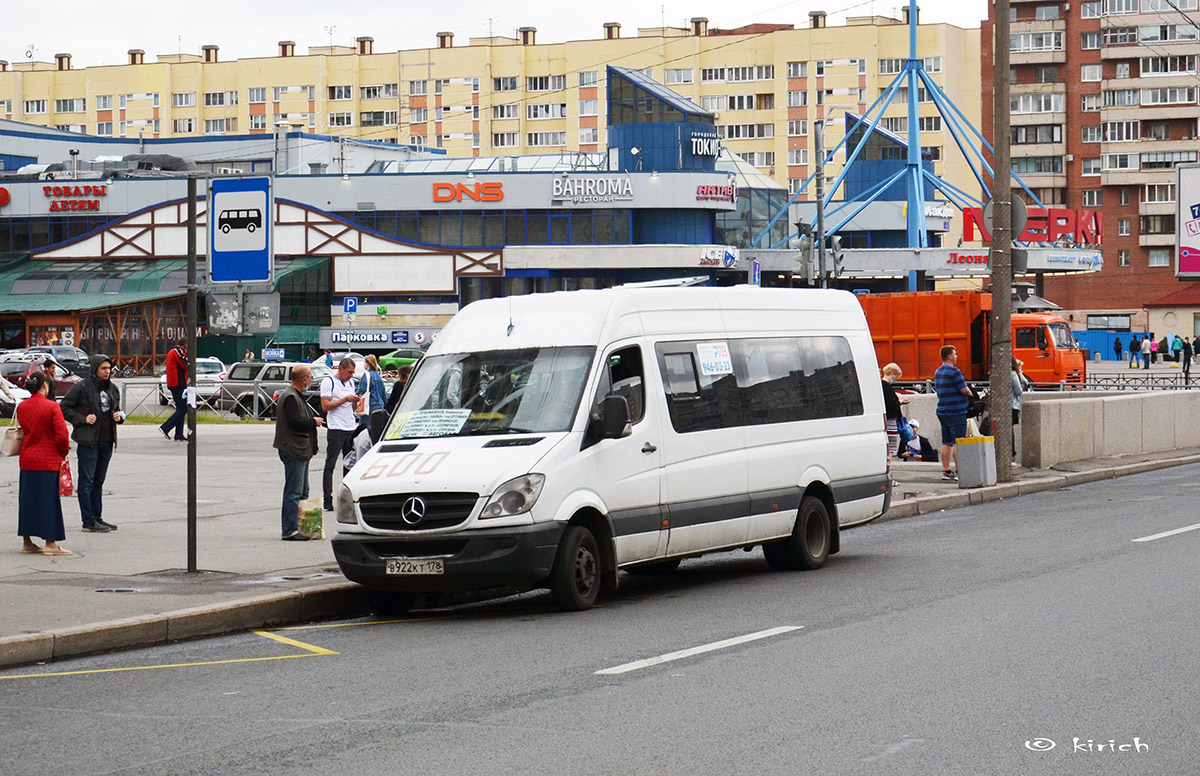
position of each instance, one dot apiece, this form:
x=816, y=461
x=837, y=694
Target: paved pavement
x=131, y=588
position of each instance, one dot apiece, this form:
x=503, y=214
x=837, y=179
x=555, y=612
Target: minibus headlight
x=514, y=497
x=345, y=507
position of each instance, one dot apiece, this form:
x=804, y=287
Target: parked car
x=10, y=397
x=67, y=355
x=264, y=379
x=400, y=357
x=17, y=371
x=209, y=374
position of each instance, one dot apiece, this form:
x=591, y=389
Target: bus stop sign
x=240, y=246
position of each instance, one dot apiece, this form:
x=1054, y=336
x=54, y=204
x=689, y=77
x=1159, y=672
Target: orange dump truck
x=911, y=328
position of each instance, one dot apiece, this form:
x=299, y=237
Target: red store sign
x=1082, y=227
x=3, y=196
x=74, y=197
x=967, y=258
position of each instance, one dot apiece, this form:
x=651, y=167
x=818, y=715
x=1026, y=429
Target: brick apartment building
x=1104, y=106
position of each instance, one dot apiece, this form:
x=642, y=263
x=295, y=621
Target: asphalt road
x=998, y=639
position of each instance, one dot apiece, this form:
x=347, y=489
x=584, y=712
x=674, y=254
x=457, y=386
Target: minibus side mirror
x=614, y=418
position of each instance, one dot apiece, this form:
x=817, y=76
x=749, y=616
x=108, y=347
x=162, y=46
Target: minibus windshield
x=526, y=391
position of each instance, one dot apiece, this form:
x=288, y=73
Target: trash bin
x=976, y=461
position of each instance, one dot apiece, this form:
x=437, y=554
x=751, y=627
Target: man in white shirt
x=337, y=401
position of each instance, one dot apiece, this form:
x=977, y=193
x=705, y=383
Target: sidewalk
x=130, y=587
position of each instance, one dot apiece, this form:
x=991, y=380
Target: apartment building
x=514, y=95
x=1104, y=106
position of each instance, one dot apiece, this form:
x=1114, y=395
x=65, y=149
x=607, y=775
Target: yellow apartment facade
x=515, y=96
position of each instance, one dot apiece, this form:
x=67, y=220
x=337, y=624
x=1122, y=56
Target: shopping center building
x=516, y=95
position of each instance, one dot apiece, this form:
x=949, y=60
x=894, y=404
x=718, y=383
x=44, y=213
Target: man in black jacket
x=296, y=440
x=93, y=408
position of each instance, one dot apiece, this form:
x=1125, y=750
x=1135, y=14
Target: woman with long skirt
x=39, y=509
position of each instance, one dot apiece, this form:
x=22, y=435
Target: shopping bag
x=13, y=436
x=312, y=519
x=66, y=484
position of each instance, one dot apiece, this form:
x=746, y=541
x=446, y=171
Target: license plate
x=407, y=567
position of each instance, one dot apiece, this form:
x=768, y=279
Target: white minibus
x=555, y=439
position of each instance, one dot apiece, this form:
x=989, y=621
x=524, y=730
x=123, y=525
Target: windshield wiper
x=504, y=430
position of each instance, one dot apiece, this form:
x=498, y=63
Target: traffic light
x=835, y=251
x=804, y=244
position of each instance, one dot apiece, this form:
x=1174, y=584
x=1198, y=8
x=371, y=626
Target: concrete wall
x=1061, y=427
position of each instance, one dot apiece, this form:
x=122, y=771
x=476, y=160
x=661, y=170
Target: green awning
x=27, y=285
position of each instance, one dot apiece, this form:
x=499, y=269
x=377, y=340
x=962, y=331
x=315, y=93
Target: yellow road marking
x=310, y=650
x=299, y=644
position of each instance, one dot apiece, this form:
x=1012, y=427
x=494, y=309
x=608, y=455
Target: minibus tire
x=808, y=546
x=575, y=579
x=390, y=603
x=658, y=567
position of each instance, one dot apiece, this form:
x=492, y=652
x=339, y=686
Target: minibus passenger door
x=627, y=467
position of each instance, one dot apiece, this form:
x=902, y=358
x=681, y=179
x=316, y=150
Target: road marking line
x=659, y=660
x=298, y=644
x=1165, y=534
x=309, y=651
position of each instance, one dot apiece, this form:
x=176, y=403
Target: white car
x=209, y=374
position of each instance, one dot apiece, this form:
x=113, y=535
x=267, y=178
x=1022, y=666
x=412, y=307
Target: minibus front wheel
x=575, y=578
x=808, y=546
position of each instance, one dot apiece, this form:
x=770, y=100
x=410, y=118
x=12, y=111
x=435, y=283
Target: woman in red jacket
x=39, y=510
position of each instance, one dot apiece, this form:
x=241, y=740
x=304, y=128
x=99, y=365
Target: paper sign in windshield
x=714, y=358
x=432, y=423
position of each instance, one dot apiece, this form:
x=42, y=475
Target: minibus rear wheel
x=575, y=578
x=808, y=546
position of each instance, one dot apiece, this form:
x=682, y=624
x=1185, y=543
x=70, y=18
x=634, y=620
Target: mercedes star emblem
x=413, y=510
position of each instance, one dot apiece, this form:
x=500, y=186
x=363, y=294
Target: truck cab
x=1048, y=349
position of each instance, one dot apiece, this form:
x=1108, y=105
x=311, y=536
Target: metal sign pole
x=191, y=340
x=1000, y=371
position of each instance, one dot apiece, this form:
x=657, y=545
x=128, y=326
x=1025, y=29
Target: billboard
x=1187, y=221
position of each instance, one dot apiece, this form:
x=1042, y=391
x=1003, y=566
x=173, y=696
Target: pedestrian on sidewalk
x=393, y=400
x=50, y=367
x=296, y=440
x=1187, y=359
x=1155, y=346
x=954, y=397
x=370, y=386
x=337, y=402
x=1176, y=348
x=1117, y=347
x=1146, y=349
x=45, y=446
x=1135, y=351
x=891, y=407
x=1018, y=388
x=93, y=408
x=177, y=380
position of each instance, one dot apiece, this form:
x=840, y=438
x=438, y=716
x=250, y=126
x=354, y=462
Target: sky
x=101, y=33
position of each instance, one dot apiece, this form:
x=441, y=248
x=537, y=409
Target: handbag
x=66, y=485
x=13, y=436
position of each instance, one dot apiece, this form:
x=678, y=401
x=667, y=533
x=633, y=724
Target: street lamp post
x=819, y=141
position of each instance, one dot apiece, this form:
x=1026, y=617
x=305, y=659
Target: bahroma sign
x=1045, y=225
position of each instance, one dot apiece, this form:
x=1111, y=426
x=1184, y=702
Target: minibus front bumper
x=475, y=559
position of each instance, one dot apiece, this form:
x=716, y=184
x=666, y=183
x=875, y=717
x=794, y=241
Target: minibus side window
x=830, y=382
x=623, y=375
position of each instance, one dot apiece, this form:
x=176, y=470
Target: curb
x=267, y=611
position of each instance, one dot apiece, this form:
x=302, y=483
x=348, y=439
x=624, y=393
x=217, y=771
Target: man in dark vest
x=296, y=440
